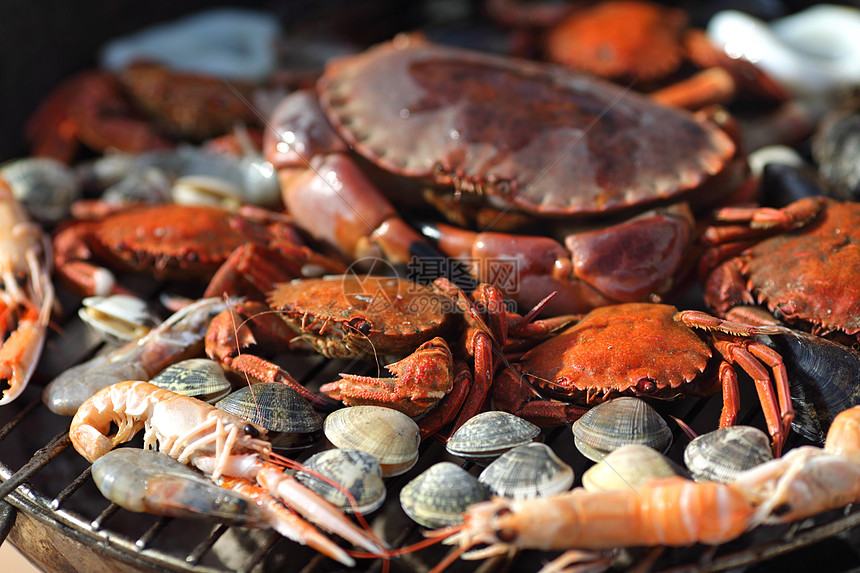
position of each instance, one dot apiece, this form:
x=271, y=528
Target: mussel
x=488, y=435
x=722, y=454
x=386, y=434
x=355, y=471
x=617, y=422
x=823, y=376
x=200, y=378
x=290, y=420
x=527, y=471
x=438, y=496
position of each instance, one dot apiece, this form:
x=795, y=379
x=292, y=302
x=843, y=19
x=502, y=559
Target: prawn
x=808, y=480
x=195, y=432
x=672, y=511
x=177, y=338
x=26, y=294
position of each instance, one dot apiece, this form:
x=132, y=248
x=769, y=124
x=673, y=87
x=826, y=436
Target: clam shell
x=117, y=318
x=438, y=496
x=197, y=377
x=615, y=423
x=288, y=418
x=386, y=434
x=356, y=471
x=488, y=435
x=724, y=453
x=528, y=471
x=628, y=467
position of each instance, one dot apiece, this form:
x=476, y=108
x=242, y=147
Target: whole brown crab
x=646, y=350
x=367, y=317
x=498, y=141
x=178, y=242
x=799, y=262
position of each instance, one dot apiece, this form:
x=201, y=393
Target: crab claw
x=420, y=381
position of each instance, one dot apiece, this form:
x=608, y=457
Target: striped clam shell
x=722, y=454
x=488, y=435
x=527, y=471
x=438, y=496
x=356, y=471
x=617, y=422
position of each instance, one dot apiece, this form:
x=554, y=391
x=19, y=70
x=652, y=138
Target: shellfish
x=356, y=471
x=724, y=453
x=388, y=435
x=490, y=434
x=531, y=470
x=621, y=421
x=438, y=496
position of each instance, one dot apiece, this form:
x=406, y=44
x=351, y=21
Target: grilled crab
x=497, y=142
x=368, y=317
x=799, y=262
x=651, y=351
x=178, y=242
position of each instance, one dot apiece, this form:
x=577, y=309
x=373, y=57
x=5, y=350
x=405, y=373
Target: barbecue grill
x=52, y=512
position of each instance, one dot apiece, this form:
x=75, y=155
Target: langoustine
x=26, y=294
x=674, y=511
x=220, y=443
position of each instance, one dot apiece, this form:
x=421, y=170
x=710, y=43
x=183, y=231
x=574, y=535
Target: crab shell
x=807, y=277
x=349, y=316
x=533, y=136
x=633, y=349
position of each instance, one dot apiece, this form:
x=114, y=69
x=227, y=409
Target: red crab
x=646, y=350
x=799, y=262
x=645, y=42
x=369, y=317
x=498, y=140
x=142, y=108
x=181, y=241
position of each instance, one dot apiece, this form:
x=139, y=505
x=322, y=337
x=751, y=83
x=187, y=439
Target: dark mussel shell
x=823, y=376
x=290, y=420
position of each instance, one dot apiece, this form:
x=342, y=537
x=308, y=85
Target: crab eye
x=646, y=386
x=252, y=431
x=361, y=325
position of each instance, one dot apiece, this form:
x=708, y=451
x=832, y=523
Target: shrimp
x=192, y=431
x=177, y=338
x=673, y=511
x=26, y=294
x=808, y=480
x=151, y=482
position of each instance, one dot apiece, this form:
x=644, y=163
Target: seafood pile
x=477, y=284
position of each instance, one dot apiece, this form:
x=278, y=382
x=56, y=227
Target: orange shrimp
x=674, y=511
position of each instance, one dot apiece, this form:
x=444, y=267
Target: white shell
x=724, y=453
x=388, y=435
x=618, y=422
x=628, y=467
x=117, y=318
x=813, y=52
x=230, y=43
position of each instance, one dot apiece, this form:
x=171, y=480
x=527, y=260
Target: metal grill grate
x=62, y=522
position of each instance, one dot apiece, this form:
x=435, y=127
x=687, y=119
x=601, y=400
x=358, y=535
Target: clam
x=117, y=318
x=45, y=187
x=488, y=435
x=615, y=423
x=200, y=378
x=289, y=419
x=724, y=453
x=355, y=471
x=527, y=471
x=438, y=496
x=629, y=466
x=386, y=434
